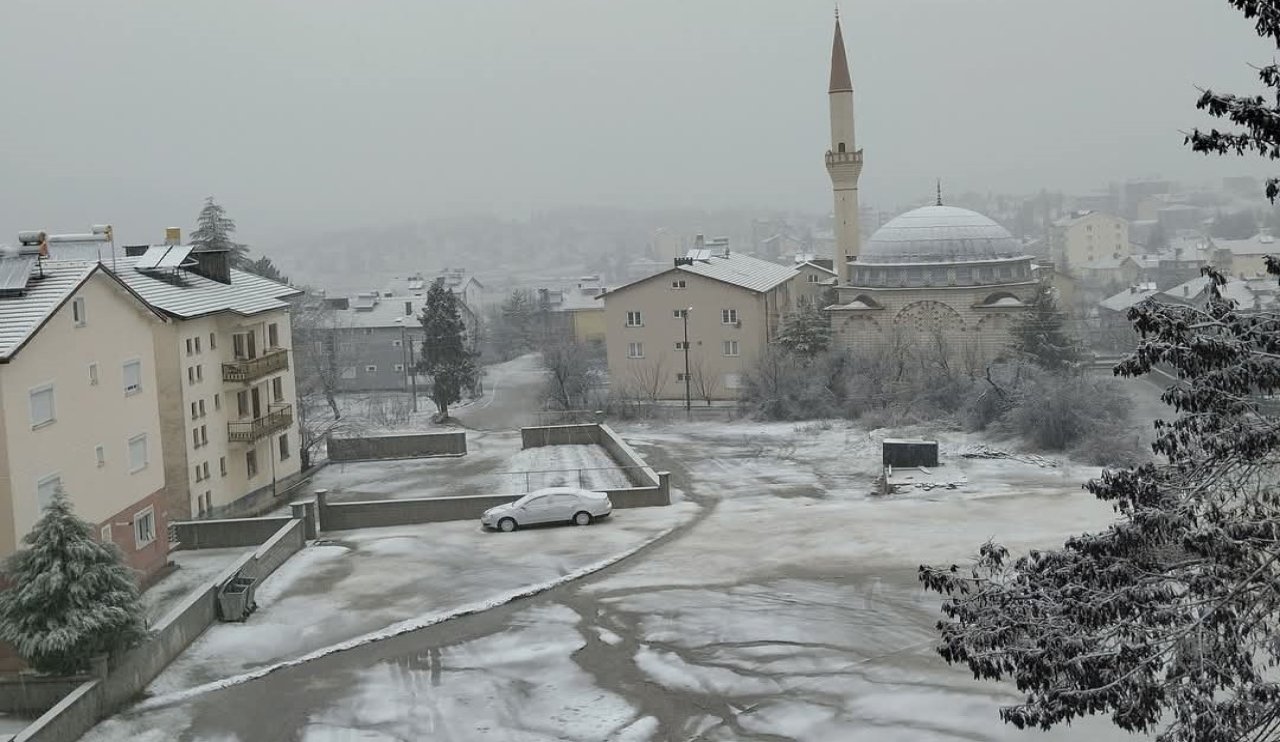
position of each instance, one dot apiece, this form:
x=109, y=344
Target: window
x=371, y=370
x=204, y=435
x=239, y=345
x=681, y=345
x=199, y=372
x=93, y=374
x=200, y=505
x=251, y=463
x=728, y=316
x=199, y=474
x=100, y=454
x=813, y=278
x=190, y=346
x=46, y=488
x=132, y=377
x=105, y=534
x=191, y=375
x=284, y=447
x=273, y=335
x=678, y=284
x=679, y=313
x=277, y=389
x=730, y=347
x=213, y=341
x=42, y=412
x=634, y=319
x=144, y=527
x=348, y=372
x=222, y=465
x=195, y=437
x=194, y=411
x=77, y=311
x=198, y=344
x=395, y=343
x=635, y=350
x=398, y=367
x=201, y=406
x=681, y=376
x=242, y=403
x=217, y=401
x=137, y=453
x=205, y=467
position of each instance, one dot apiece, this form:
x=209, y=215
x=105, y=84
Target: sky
x=302, y=116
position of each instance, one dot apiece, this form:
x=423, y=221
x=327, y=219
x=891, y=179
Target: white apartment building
x=80, y=405
x=226, y=384
x=1086, y=237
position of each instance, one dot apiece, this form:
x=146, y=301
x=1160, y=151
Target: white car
x=550, y=505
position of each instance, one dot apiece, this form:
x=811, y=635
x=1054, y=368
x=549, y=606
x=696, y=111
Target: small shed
x=905, y=453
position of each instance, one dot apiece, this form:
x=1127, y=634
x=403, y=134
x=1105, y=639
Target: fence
x=409, y=446
x=121, y=680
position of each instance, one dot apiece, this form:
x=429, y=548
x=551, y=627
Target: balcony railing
x=278, y=417
x=250, y=369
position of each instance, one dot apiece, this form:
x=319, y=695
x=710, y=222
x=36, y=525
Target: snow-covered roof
x=816, y=266
x=750, y=273
x=1130, y=296
x=190, y=295
x=21, y=317
x=1259, y=244
x=384, y=312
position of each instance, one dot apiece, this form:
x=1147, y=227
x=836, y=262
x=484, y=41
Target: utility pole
x=688, y=404
x=413, y=375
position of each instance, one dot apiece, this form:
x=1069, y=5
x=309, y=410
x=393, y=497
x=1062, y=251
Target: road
x=787, y=609
x=512, y=396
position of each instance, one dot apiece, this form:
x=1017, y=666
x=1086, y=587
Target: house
x=581, y=313
x=370, y=340
x=1244, y=258
x=80, y=404
x=1087, y=236
x=733, y=305
x=222, y=364
x=815, y=281
x=1112, y=329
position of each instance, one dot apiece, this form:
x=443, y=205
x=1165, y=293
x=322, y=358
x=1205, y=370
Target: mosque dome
x=940, y=234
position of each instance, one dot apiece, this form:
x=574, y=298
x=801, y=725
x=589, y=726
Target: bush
x=1055, y=412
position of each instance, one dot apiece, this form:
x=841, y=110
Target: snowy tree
x=71, y=597
x=572, y=372
x=265, y=268
x=213, y=232
x=1041, y=335
x=806, y=332
x=445, y=357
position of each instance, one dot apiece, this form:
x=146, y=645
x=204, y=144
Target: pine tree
x=213, y=232
x=445, y=357
x=806, y=332
x=265, y=268
x=71, y=597
x=1041, y=335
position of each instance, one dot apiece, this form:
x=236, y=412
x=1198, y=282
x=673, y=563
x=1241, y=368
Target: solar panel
x=152, y=257
x=15, y=272
x=175, y=257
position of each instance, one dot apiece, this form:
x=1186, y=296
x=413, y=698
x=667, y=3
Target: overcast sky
x=314, y=114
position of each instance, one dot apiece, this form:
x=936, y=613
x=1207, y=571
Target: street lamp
x=688, y=405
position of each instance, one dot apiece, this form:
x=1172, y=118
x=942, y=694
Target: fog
x=307, y=116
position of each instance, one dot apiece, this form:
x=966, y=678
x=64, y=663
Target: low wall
x=639, y=473
x=377, y=513
x=130, y=673
x=559, y=435
x=408, y=446
x=226, y=532
x=27, y=694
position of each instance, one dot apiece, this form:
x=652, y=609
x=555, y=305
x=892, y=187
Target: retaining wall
x=226, y=532
x=409, y=446
x=377, y=513
x=130, y=673
x=601, y=435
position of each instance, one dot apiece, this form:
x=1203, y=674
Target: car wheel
x=582, y=518
x=506, y=525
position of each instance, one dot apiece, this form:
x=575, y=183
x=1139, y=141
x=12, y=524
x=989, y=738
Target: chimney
x=173, y=235
x=408, y=309
x=699, y=242
x=1133, y=289
x=214, y=265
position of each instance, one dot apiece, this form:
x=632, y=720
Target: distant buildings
x=1086, y=237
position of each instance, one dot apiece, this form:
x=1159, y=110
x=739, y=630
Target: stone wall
x=411, y=446
x=227, y=532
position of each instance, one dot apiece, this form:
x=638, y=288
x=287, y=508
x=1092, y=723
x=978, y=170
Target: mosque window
x=840, y=147
x=915, y=276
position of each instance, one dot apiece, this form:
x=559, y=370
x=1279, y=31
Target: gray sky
x=313, y=114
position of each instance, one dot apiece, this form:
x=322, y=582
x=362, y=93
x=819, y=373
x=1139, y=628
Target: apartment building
x=816, y=281
x=734, y=305
x=1084, y=237
x=370, y=340
x=226, y=384
x=80, y=402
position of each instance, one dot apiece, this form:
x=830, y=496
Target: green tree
x=265, y=268
x=445, y=358
x=71, y=597
x=213, y=232
x=806, y=332
x=1041, y=335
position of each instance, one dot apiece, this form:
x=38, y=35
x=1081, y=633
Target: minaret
x=844, y=160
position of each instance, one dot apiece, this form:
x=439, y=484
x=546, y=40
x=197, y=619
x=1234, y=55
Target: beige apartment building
x=80, y=405
x=734, y=305
x=815, y=281
x=1087, y=237
x=226, y=383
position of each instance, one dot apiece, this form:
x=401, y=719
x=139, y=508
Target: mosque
x=934, y=277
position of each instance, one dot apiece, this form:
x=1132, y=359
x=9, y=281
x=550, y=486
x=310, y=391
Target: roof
x=196, y=296
x=1259, y=244
x=816, y=266
x=1076, y=217
x=21, y=317
x=840, y=82
x=386, y=312
x=743, y=271
x=1130, y=297
x=939, y=234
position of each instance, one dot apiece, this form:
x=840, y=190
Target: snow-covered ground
x=587, y=466
x=194, y=569
x=10, y=725
x=356, y=582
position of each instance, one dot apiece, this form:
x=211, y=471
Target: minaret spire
x=844, y=159
x=939, y=191
x=840, y=81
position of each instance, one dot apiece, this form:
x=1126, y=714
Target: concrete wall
x=217, y=534
x=27, y=694
x=623, y=455
x=128, y=674
x=377, y=513
x=410, y=446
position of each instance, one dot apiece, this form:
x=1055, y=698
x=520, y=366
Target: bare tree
x=647, y=377
x=572, y=373
x=319, y=356
x=705, y=383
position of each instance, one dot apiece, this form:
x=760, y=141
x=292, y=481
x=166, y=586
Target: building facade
x=938, y=279
x=1088, y=237
x=734, y=305
x=80, y=408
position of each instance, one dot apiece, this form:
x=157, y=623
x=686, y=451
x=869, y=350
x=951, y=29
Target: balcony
x=251, y=369
x=279, y=417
